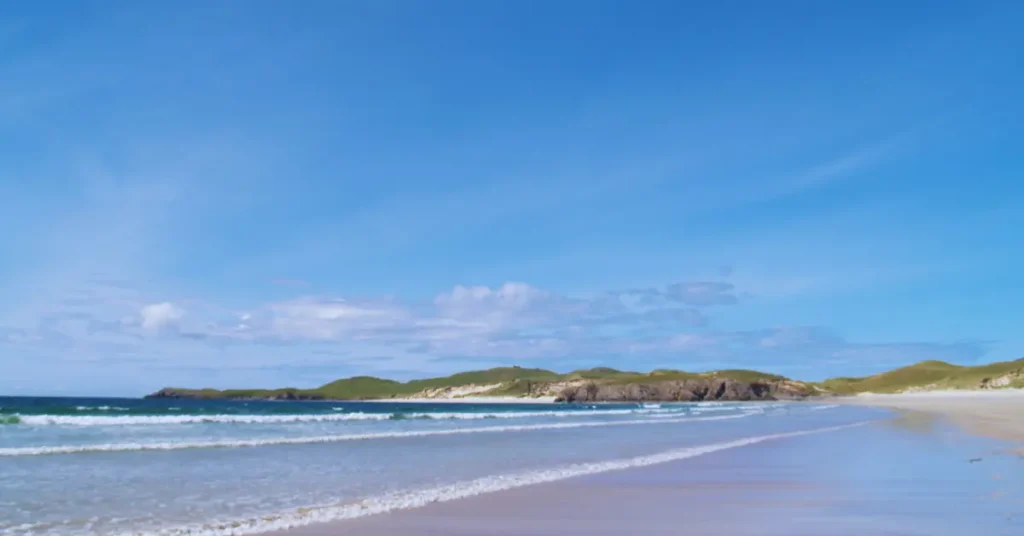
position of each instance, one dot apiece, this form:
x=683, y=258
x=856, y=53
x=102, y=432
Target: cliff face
x=592, y=385
x=689, y=390
x=170, y=392
x=611, y=385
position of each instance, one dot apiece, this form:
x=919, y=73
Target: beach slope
x=998, y=414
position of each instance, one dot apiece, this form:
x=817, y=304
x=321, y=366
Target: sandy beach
x=998, y=414
x=785, y=487
x=905, y=476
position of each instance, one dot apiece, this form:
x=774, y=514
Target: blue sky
x=263, y=194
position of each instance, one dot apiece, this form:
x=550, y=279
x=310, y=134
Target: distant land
x=604, y=384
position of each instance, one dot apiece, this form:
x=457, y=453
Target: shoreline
x=773, y=487
x=469, y=400
x=995, y=414
x=632, y=480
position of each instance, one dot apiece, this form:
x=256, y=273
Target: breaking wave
x=239, y=443
x=402, y=500
x=133, y=420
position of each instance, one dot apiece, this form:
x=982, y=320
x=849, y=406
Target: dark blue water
x=11, y=407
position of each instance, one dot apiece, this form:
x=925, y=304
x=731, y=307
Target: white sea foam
x=403, y=500
x=707, y=409
x=756, y=408
x=528, y=414
x=100, y=408
x=238, y=443
x=132, y=420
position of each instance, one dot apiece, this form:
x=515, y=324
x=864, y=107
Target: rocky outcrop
x=689, y=390
x=292, y=395
x=174, y=393
x=653, y=389
x=1006, y=380
x=170, y=392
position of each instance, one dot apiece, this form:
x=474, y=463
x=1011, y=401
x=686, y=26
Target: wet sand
x=912, y=475
x=998, y=414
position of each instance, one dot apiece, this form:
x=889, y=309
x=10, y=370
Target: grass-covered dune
x=932, y=376
x=369, y=387
x=527, y=382
x=501, y=381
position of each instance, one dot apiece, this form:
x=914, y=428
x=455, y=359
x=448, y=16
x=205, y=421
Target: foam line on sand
x=407, y=499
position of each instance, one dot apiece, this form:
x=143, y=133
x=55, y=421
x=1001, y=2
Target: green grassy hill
x=360, y=387
x=744, y=375
x=485, y=377
x=519, y=381
x=369, y=387
x=932, y=375
x=598, y=373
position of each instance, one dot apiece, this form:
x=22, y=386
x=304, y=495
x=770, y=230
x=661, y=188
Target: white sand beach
x=998, y=414
x=907, y=481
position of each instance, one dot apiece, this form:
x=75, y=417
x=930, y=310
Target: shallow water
x=909, y=476
x=104, y=467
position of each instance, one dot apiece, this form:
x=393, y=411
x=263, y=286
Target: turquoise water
x=173, y=467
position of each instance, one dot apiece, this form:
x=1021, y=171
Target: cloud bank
x=317, y=338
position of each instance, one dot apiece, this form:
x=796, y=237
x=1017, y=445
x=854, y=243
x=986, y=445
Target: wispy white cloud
x=511, y=323
x=332, y=319
x=159, y=316
x=844, y=166
x=849, y=164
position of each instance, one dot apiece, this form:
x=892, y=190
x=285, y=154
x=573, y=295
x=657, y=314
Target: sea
x=146, y=467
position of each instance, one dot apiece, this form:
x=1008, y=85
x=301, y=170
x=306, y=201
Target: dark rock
x=691, y=390
x=170, y=393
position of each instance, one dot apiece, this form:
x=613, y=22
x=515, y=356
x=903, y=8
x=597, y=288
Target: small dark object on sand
x=974, y=460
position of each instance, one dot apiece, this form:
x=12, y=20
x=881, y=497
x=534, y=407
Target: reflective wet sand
x=911, y=475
